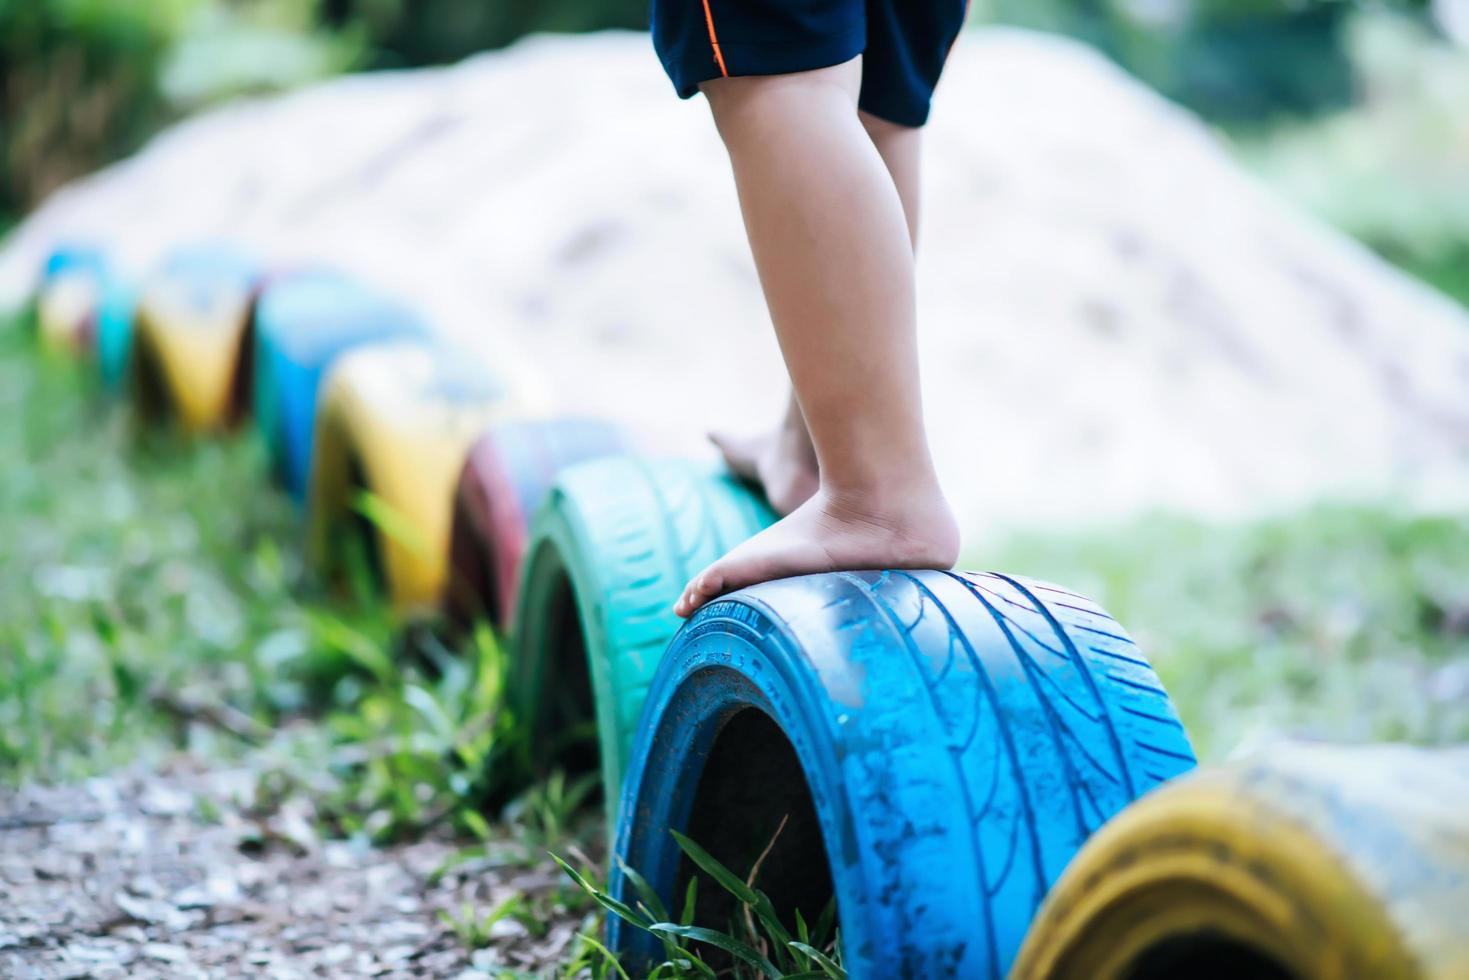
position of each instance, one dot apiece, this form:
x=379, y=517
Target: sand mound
x=1113, y=317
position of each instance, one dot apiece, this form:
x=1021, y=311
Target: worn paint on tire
x=611, y=548
x=396, y=419
x=1310, y=862
x=192, y=345
x=304, y=322
x=68, y=297
x=951, y=740
x=506, y=476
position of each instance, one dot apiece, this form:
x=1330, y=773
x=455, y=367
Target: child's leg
x=783, y=462
x=899, y=148
x=831, y=243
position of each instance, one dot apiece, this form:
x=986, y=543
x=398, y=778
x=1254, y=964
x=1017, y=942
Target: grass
x=1340, y=622
x=1390, y=170
x=135, y=576
x=152, y=599
x=756, y=945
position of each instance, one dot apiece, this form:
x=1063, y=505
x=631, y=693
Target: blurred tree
x=1230, y=60
x=83, y=82
x=419, y=32
x=234, y=47
x=78, y=86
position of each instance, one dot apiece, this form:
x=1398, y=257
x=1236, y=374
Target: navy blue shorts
x=903, y=44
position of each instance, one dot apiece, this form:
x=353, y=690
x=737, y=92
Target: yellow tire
x=1312, y=863
x=66, y=307
x=396, y=420
x=193, y=321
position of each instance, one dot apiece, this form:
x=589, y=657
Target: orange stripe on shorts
x=714, y=40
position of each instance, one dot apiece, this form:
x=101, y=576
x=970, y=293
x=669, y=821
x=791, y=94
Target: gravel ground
x=172, y=875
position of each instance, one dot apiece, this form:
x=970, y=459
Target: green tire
x=612, y=546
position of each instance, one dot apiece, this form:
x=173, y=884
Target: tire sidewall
x=732, y=658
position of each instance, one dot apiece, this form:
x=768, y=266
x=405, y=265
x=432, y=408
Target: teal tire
x=610, y=549
x=114, y=338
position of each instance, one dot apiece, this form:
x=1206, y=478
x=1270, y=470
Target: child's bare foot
x=783, y=462
x=836, y=533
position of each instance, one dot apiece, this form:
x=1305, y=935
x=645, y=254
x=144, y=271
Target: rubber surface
x=192, y=343
x=610, y=549
x=1312, y=862
x=947, y=740
x=396, y=419
x=114, y=332
x=303, y=322
x=508, y=472
x=68, y=297
x=67, y=256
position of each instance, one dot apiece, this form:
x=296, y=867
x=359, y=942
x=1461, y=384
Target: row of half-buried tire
x=937, y=746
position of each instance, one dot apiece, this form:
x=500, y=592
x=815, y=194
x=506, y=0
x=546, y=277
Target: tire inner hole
x=360, y=546
x=752, y=781
x=474, y=587
x=1205, y=956
x=567, y=719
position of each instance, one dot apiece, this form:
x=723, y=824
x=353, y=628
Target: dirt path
x=172, y=876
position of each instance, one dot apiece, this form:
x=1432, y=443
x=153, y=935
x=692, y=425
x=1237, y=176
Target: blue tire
x=73, y=256
x=303, y=322
x=942, y=744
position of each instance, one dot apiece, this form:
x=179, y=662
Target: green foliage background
x=78, y=85
x=1353, y=109
x=1227, y=59
x=149, y=607
x=420, y=32
x=83, y=82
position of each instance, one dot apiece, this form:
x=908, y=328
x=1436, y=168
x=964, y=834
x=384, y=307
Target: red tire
x=506, y=476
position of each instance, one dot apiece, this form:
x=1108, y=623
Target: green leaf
x=690, y=899
x=645, y=891
x=476, y=823
x=430, y=711
x=825, y=922
x=727, y=879
x=618, y=908
x=678, y=964
x=367, y=653
x=391, y=521
x=828, y=966
x=608, y=956
x=765, y=911
x=718, y=939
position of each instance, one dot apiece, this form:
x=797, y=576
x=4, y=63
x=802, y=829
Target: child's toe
x=707, y=585
x=710, y=584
